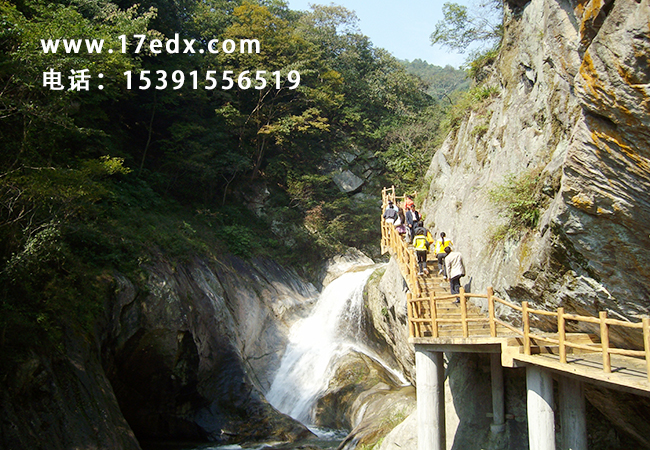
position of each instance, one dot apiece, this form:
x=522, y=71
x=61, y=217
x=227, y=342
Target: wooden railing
x=424, y=321
x=392, y=240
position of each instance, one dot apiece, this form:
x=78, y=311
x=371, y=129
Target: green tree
x=461, y=27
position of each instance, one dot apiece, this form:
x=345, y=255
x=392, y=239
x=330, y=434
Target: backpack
x=420, y=242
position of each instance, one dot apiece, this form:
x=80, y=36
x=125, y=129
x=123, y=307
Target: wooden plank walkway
x=473, y=325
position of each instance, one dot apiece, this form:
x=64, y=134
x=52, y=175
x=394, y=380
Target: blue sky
x=401, y=27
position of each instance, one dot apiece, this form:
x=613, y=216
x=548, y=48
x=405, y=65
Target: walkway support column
x=573, y=414
x=541, y=420
x=498, y=397
x=430, y=394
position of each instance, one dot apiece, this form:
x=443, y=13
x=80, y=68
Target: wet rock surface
x=61, y=402
x=189, y=356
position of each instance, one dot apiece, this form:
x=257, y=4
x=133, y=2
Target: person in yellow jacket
x=441, y=244
x=421, y=246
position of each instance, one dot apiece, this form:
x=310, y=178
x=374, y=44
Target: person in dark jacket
x=392, y=213
x=412, y=217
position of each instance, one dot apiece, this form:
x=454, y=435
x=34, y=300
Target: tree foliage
x=444, y=83
x=98, y=181
x=461, y=27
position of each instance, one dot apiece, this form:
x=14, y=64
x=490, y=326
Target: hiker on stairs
x=421, y=246
x=455, y=270
x=441, y=244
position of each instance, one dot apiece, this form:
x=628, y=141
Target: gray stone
x=387, y=309
x=347, y=181
x=573, y=106
x=191, y=357
x=339, y=264
x=573, y=81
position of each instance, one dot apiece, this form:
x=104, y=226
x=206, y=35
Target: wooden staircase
x=472, y=324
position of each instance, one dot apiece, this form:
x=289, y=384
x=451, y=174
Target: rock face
x=571, y=110
x=573, y=107
x=190, y=357
x=347, y=181
x=62, y=402
x=186, y=357
x=339, y=264
x=387, y=309
x=365, y=398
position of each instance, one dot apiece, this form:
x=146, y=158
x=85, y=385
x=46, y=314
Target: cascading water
x=316, y=342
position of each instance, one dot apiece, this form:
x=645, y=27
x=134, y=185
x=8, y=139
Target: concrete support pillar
x=430, y=377
x=498, y=396
x=573, y=414
x=541, y=420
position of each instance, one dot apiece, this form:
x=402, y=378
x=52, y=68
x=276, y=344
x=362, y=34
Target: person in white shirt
x=455, y=268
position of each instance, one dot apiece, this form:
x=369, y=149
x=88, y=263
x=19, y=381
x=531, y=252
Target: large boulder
x=386, y=302
x=339, y=264
x=363, y=396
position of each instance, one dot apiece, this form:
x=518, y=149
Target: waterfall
x=316, y=342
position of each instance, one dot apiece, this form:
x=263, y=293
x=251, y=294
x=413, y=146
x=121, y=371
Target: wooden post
x=463, y=312
x=434, y=315
x=493, y=324
x=561, y=334
x=604, y=342
x=409, y=312
x=646, y=343
x=526, y=325
x=414, y=273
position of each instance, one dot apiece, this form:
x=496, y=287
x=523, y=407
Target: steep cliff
x=191, y=355
x=572, y=113
x=187, y=355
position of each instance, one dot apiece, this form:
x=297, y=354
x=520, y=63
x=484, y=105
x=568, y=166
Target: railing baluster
x=561, y=334
x=434, y=315
x=526, y=325
x=493, y=324
x=604, y=342
x=409, y=312
x=646, y=344
x=463, y=312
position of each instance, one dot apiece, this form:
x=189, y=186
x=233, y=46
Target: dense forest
x=445, y=84
x=97, y=180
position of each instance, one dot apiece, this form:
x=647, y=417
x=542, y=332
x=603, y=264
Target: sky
x=401, y=27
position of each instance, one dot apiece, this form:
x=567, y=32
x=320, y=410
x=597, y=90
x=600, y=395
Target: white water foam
x=334, y=328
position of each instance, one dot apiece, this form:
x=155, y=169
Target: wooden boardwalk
x=474, y=325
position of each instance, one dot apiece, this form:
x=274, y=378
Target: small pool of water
x=325, y=439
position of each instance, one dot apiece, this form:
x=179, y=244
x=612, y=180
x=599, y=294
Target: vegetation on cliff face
x=102, y=180
x=520, y=201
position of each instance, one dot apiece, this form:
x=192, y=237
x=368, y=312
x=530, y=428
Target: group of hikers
x=409, y=223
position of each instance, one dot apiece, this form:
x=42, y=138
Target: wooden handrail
x=508, y=304
x=418, y=307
